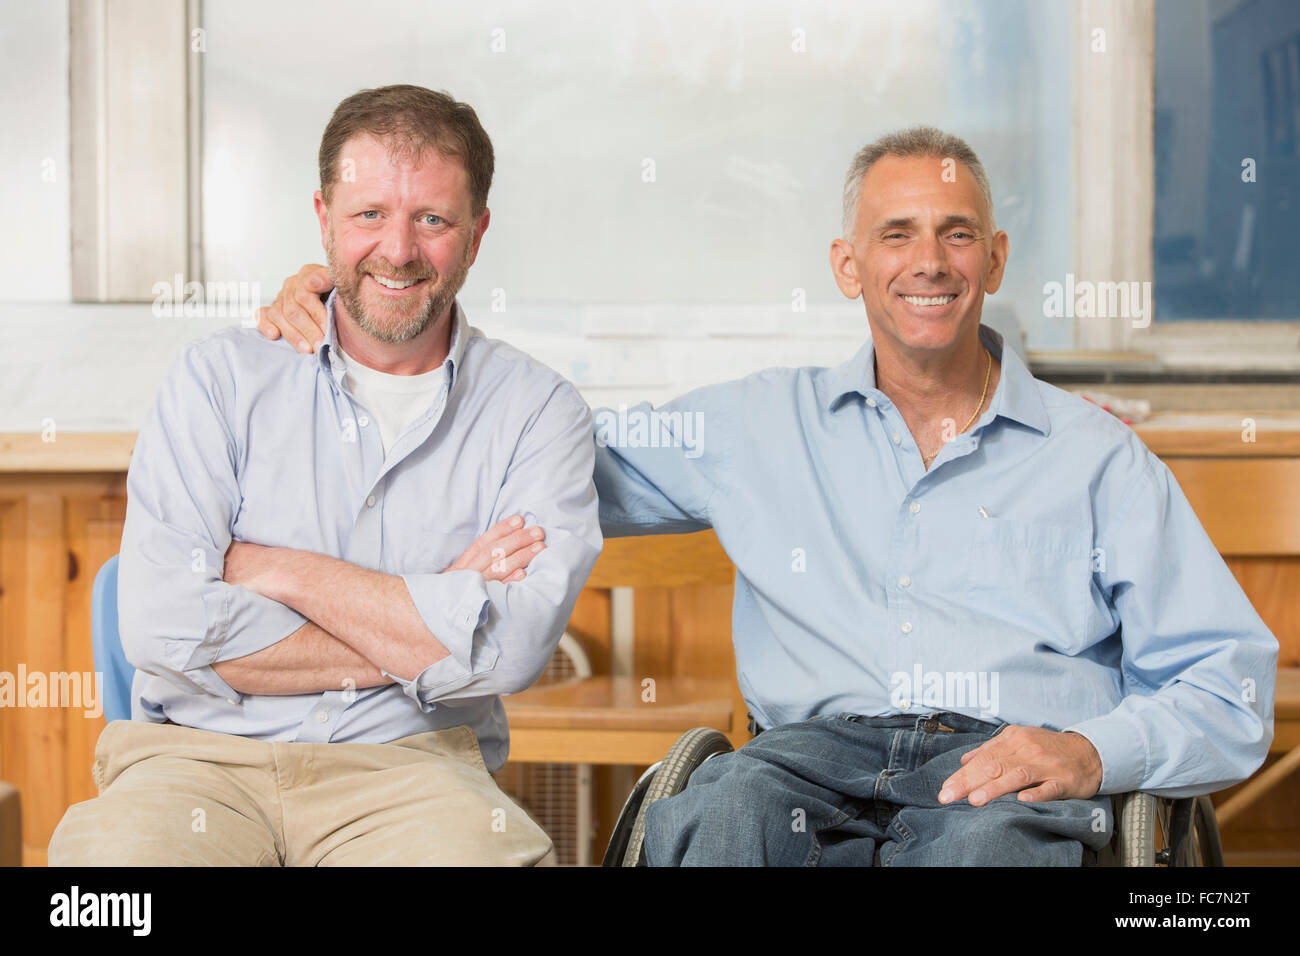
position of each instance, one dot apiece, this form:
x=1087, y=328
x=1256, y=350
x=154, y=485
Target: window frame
x=1114, y=150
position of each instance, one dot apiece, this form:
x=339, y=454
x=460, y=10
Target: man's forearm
x=370, y=611
x=310, y=660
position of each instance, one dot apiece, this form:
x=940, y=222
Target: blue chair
x=107, y=645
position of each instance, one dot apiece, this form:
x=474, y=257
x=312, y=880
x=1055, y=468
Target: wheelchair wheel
x=1158, y=832
x=686, y=756
x=1203, y=845
x=617, y=848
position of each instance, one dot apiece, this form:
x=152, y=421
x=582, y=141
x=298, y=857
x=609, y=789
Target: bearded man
x=333, y=565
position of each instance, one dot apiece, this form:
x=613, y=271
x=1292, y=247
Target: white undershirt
x=394, y=400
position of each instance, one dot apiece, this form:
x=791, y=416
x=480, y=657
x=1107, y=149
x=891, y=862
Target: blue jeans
x=845, y=790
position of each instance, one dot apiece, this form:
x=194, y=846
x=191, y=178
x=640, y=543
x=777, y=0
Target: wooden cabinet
x=55, y=533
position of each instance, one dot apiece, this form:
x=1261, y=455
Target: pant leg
x=424, y=800
x=792, y=796
x=172, y=796
x=1004, y=832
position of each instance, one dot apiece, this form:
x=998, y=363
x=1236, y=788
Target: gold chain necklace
x=926, y=459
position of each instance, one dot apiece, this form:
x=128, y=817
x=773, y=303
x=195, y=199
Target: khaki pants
x=175, y=796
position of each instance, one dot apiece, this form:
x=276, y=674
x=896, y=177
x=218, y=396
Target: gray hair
x=919, y=141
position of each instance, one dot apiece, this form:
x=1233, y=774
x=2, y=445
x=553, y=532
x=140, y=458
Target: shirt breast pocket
x=1029, y=578
x=430, y=550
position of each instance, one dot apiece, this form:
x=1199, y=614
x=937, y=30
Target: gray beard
x=349, y=292
x=395, y=334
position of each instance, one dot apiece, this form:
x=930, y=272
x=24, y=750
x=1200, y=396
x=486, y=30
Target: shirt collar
x=333, y=364
x=1016, y=396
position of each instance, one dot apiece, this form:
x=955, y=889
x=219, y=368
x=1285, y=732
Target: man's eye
x=895, y=235
x=963, y=235
x=370, y=214
x=433, y=220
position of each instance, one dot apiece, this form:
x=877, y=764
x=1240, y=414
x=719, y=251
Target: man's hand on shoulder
x=1039, y=764
x=297, y=312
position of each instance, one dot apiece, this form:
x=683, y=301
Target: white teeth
x=929, y=300
x=394, y=283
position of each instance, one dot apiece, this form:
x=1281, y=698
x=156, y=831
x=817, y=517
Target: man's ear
x=845, y=269
x=323, y=214
x=480, y=227
x=997, y=262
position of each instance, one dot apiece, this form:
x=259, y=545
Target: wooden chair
x=619, y=718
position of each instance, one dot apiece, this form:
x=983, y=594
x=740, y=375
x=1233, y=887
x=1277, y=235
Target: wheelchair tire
x=691, y=750
x=617, y=848
x=1145, y=825
x=1137, y=824
x=1204, y=847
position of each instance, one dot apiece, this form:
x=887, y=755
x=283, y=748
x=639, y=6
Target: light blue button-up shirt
x=1047, y=570
x=249, y=440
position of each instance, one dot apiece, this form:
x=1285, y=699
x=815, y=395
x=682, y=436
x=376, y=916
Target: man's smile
x=394, y=287
x=928, y=301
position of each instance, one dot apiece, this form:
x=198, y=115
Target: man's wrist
x=1093, y=765
x=283, y=574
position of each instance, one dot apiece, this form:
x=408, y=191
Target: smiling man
x=968, y=605
x=333, y=566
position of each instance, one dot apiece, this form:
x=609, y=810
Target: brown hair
x=410, y=119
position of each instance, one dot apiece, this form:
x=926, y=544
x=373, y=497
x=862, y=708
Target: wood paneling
x=1247, y=505
x=1273, y=586
x=660, y=561
x=55, y=532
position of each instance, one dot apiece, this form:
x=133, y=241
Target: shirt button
x=370, y=502
x=914, y=507
x=896, y=438
x=904, y=705
x=907, y=627
x=363, y=421
x=904, y=581
x=322, y=716
x=871, y=402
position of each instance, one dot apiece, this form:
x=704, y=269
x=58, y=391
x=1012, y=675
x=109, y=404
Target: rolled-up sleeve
x=176, y=616
x=500, y=636
x=1198, y=664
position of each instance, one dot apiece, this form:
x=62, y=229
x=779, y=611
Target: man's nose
x=398, y=244
x=930, y=257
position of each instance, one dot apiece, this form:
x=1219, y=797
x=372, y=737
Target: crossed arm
x=360, y=622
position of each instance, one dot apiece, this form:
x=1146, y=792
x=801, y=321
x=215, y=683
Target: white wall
x=634, y=290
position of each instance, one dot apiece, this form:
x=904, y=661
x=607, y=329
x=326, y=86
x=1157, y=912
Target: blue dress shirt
x=248, y=440
x=1047, y=570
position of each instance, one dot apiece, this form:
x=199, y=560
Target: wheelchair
x=1149, y=830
